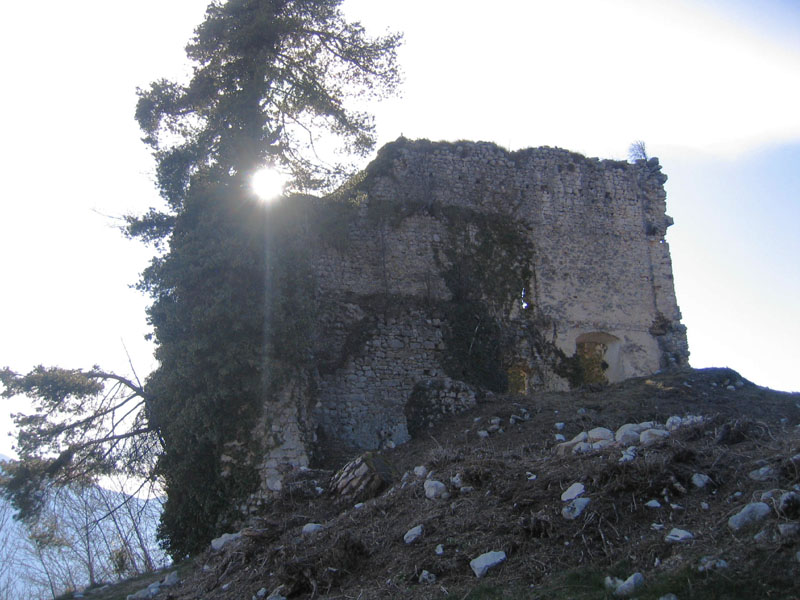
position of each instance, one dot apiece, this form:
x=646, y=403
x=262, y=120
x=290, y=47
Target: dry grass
x=361, y=553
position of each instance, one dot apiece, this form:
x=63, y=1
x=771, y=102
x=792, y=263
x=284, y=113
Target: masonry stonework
x=455, y=270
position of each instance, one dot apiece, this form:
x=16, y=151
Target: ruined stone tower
x=448, y=270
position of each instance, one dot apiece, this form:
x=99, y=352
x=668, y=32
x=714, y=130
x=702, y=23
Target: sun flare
x=268, y=184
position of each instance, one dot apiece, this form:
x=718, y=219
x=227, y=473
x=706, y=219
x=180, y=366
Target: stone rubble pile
x=774, y=517
x=628, y=436
x=154, y=588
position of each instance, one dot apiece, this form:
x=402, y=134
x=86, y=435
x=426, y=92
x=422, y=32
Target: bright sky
x=711, y=87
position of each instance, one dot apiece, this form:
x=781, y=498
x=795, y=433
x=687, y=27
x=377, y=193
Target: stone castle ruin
x=448, y=271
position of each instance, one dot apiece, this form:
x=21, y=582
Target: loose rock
x=629, y=586
x=789, y=504
x=484, y=562
x=628, y=433
x=678, y=535
x=763, y=474
x=225, y=538
x=599, y=433
x=673, y=423
x=413, y=534
x=312, y=528
x=574, y=509
x=600, y=444
x=582, y=448
x=427, y=577
x=628, y=454
x=565, y=447
x=651, y=436
x=362, y=478
x=710, y=563
x=573, y=491
x=753, y=513
x=435, y=489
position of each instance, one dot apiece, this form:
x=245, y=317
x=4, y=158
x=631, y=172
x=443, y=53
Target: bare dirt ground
x=361, y=553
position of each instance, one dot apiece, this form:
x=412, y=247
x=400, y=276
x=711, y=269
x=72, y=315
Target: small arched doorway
x=598, y=355
x=518, y=376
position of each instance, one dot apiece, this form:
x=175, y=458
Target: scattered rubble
x=606, y=497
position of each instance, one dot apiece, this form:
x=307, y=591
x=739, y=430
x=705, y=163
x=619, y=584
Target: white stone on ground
x=312, y=528
x=483, y=433
x=413, y=534
x=574, y=509
x=573, y=491
x=628, y=454
x=653, y=504
x=700, y=480
x=673, y=423
x=789, y=504
x=439, y=550
x=484, y=562
x=564, y=447
x=753, y=513
x=628, y=428
x=559, y=426
x=599, y=433
x=772, y=494
x=709, y=563
x=600, y=444
x=427, y=577
x=762, y=474
x=435, y=489
x=627, y=437
x=651, y=436
x=560, y=438
x=612, y=583
x=678, y=535
x=629, y=587
x=225, y=538
x=581, y=448
x=420, y=471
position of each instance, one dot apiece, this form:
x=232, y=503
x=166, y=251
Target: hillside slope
x=505, y=492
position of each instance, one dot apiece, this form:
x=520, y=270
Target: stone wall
x=469, y=264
